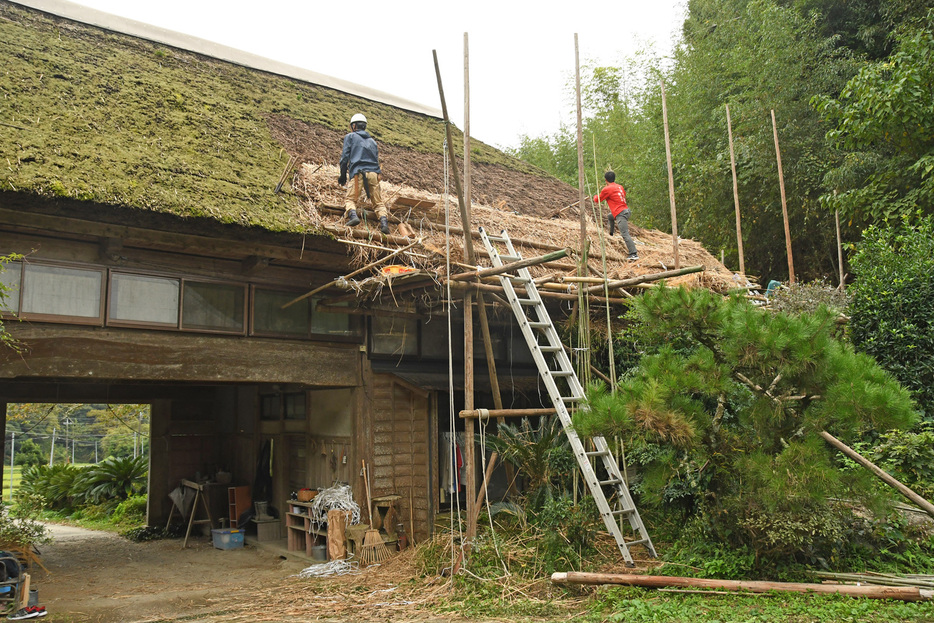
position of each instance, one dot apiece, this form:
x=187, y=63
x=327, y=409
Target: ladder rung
x=598, y=453
x=516, y=279
x=496, y=238
x=539, y=325
x=639, y=542
x=527, y=302
x=561, y=372
x=551, y=349
x=612, y=481
x=510, y=258
x=623, y=512
x=571, y=398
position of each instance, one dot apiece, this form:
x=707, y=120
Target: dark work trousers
x=622, y=224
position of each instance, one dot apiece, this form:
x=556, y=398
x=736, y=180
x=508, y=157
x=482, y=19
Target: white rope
x=335, y=567
x=339, y=497
x=451, y=420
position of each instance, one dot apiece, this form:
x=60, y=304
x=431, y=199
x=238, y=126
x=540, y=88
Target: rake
x=374, y=549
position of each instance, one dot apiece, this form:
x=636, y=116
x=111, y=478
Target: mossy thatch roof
x=110, y=119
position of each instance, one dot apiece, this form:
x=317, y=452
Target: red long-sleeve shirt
x=615, y=197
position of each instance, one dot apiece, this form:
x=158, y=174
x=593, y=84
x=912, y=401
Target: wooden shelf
x=238, y=500
x=299, y=533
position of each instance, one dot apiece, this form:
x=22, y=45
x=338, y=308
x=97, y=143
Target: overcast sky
x=521, y=53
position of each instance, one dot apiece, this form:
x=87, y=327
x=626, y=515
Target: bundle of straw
x=374, y=549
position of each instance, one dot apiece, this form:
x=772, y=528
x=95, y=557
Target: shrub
x=892, y=309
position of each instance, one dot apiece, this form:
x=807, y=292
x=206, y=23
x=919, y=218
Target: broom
x=374, y=550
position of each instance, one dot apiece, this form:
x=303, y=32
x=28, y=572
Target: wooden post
x=337, y=534
x=883, y=476
x=781, y=187
x=671, y=181
x=739, y=229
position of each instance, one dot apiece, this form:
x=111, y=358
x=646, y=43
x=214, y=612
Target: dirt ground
x=101, y=577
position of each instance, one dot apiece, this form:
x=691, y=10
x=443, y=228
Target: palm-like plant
x=541, y=454
x=115, y=479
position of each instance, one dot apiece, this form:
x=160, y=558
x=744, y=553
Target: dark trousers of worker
x=622, y=224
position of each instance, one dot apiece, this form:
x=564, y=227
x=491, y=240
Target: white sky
x=521, y=53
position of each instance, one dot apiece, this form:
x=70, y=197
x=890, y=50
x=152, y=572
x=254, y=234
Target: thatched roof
x=111, y=119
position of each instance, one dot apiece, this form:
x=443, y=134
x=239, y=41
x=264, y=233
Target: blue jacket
x=360, y=154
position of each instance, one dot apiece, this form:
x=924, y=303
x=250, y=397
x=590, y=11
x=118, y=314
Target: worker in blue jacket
x=360, y=158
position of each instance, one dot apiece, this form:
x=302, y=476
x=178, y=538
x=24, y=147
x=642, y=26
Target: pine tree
x=733, y=399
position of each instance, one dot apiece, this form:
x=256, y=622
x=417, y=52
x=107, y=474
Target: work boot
x=352, y=219
x=384, y=225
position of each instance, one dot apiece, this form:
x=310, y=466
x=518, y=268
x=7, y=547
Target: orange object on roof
x=398, y=269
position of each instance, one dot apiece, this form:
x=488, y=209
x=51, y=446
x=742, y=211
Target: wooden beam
x=191, y=244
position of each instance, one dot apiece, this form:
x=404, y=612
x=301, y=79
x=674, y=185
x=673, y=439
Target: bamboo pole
x=882, y=475
x=468, y=303
x=512, y=266
x=622, y=283
x=580, y=146
x=498, y=413
x=657, y=581
x=481, y=495
x=671, y=181
x=836, y=216
x=739, y=229
x=558, y=296
x=781, y=187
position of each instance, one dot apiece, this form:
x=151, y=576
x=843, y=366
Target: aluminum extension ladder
x=545, y=345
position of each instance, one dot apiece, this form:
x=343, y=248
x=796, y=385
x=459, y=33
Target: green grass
x=16, y=476
x=639, y=605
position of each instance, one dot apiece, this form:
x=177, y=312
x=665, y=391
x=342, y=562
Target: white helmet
x=358, y=118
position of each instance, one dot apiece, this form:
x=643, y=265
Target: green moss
x=117, y=120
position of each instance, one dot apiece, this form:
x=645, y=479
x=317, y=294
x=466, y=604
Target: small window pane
x=212, y=306
x=394, y=336
x=269, y=407
x=136, y=298
x=10, y=278
x=294, y=406
x=269, y=317
x=62, y=291
x=326, y=323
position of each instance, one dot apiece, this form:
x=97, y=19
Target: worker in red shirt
x=615, y=197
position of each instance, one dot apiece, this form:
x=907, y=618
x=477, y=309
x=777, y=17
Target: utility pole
x=12, y=454
x=52, y=451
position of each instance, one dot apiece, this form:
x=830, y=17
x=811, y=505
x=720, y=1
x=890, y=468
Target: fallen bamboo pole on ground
x=882, y=475
x=902, y=593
